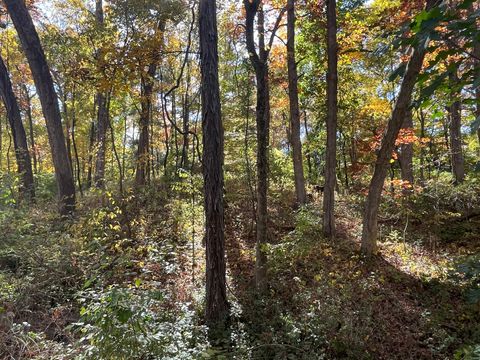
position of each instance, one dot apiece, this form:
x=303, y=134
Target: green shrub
x=130, y=323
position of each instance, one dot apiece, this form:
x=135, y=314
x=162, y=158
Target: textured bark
x=369, y=231
x=142, y=173
x=74, y=143
x=458, y=162
x=100, y=141
x=43, y=82
x=216, y=296
x=406, y=152
x=294, y=107
x=259, y=62
x=24, y=164
x=102, y=112
x=30, y=126
x=332, y=109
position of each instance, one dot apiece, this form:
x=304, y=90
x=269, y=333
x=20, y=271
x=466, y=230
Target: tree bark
x=30, y=126
x=102, y=112
x=369, y=231
x=101, y=138
x=24, y=164
x=91, y=145
x=260, y=64
x=213, y=139
x=332, y=109
x=294, y=107
x=142, y=173
x=74, y=143
x=458, y=162
x=43, y=82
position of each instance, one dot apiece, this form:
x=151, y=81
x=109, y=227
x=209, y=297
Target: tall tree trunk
x=102, y=112
x=216, y=296
x=332, y=109
x=100, y=142
x=43, y=82
x=143, y=153
x=30, y=126
x=260, y=64
x=24, y=164
x=294, y=107
x=369, y=231
x=66, y=120
x=74, y=143
x=406, y=152
x=142, y=174
x=458, y=162
x=91, y=145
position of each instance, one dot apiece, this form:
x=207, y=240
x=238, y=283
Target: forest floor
x=124, y=280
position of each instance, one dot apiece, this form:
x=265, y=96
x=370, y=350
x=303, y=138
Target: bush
x=130, y=323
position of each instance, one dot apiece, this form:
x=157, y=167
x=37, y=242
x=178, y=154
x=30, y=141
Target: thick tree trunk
x=24, y=164
x=294, y=107
x=213, y=155
x=102, y=112
x=259, y=62
x=369, y=231
x=332, y=109
x=142, y=173
x=44, y=84
x=263, y=130
x=406, y=153
x=458, y=162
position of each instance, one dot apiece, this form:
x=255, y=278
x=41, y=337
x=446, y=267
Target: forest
x=239, y=179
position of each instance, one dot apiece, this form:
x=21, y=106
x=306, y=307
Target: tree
x=24, y=164
x=414, y=66
x=147, y=81
x=294, y=108
x=259, y=61
x=458, y=162
x=332, y=109
x=216, y=295
x=102, y=109
x=43, y=82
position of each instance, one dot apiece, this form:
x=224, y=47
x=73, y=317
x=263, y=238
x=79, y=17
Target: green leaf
x=123, y=315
